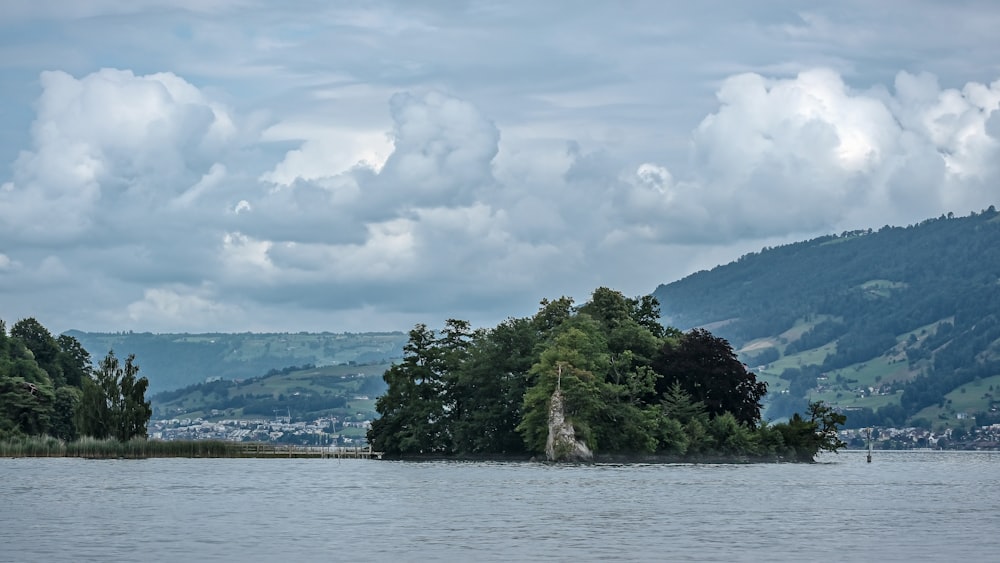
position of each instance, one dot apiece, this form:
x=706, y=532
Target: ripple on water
x=902, y=507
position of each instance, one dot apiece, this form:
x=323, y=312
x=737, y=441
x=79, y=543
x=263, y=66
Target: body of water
x=905, y=506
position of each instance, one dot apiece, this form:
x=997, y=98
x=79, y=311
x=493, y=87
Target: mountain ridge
x=920, y=305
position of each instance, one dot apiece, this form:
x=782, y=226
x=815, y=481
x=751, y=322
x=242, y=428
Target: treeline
x=289, y=369
x=48, y=386
x=939, y=265
x=627, y=385
x=302, y=404
x=826, y=331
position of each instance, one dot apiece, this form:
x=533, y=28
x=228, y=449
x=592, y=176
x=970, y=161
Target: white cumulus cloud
x=178, y=308
x=811, y=154
x=111, y=136
x=442, y=150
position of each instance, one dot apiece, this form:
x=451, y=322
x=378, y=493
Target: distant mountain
x=172, y=361
x=899, y=326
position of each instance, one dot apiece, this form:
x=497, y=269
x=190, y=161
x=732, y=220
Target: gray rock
x=562, y=445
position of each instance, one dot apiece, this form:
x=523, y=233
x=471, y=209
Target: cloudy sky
x=247, y=165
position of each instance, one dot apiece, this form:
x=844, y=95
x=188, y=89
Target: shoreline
x=88, y=448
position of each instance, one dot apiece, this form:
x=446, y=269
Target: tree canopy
x=113, y=403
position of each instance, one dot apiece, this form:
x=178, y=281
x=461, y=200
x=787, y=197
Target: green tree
x=627, y=327
x=731, y=437
x=552, y=314
x=804, y=438
x=827, y=423
x=646, y=312
x=608, y=307
x=26, y=391
x=412, y=412
x=678, y=405
x=25, y=407
x=670, y=435
x=492, y=382
x=93, y=414
x=113, y=403
x=73, y=360
x=135, y=410
x=63, y=424
x=44, y=347
x=452, y=352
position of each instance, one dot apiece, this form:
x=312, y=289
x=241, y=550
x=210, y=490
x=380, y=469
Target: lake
x=905, y=506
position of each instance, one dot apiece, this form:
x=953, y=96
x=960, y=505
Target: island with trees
x=602, y=380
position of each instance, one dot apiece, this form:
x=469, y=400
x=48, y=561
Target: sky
x=248, y=165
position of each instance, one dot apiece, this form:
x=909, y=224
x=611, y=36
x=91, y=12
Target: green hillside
x=172, y=361
x=304, y=393
x=890, y=325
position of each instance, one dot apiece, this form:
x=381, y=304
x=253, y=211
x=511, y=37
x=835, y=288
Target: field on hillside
x=872, y=384
x=981, y=395
x=343, y=391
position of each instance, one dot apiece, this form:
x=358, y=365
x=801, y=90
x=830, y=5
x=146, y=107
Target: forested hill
x=911, y=312
x=172, y=361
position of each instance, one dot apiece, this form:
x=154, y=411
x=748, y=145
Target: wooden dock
x=266, y=450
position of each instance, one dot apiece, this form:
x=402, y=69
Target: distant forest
x=921, y=301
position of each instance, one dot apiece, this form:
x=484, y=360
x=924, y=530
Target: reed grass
x=136, y=448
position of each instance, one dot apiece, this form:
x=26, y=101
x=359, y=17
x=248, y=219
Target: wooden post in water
x=869, y=431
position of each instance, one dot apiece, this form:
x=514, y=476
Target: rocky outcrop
x=562, y=444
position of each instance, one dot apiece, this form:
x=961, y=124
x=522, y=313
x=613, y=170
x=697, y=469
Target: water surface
x=905, y=506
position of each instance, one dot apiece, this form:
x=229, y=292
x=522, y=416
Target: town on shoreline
x=334, y=432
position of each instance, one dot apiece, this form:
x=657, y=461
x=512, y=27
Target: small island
x=600, y=381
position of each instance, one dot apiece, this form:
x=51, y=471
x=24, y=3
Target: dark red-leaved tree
x=706, y=367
